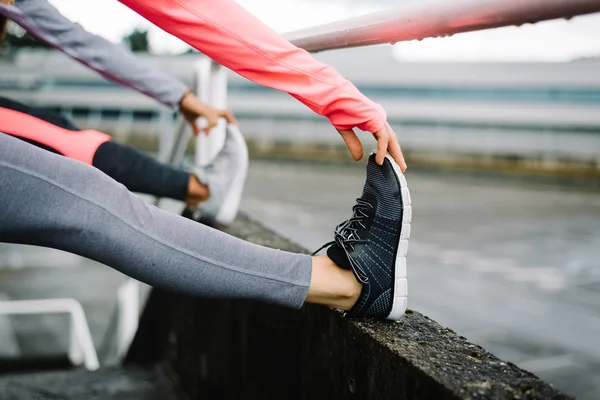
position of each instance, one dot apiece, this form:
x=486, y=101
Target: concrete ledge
x=240, y=349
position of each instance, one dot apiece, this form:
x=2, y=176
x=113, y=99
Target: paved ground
x=511, y=264
x=125, y=383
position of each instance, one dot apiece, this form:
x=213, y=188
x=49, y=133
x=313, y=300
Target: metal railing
x=81, y=345
x=435, y=19
x=210, y=84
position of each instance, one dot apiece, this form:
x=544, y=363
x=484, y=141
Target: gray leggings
x=52, y=201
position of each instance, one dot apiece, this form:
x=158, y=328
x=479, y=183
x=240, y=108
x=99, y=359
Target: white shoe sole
x=399, y=302
x=233, y=197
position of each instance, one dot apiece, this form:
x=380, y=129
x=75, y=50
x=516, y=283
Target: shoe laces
x=346, y=236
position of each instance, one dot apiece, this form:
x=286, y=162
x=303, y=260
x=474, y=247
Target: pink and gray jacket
x=224, y=31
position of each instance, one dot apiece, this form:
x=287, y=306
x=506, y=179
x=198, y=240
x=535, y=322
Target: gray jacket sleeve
x=113, y=61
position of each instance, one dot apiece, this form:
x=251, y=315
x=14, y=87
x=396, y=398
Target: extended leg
x=52, y=201
x=136, y=170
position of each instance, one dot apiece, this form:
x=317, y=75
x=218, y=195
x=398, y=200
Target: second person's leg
x=136, y=170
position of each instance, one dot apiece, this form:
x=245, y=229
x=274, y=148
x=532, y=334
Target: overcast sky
x=549, y=41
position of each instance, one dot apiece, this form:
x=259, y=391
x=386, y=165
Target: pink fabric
x=79, y=145
x=226, y=32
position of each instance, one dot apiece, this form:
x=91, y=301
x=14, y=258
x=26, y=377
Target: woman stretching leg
x=52, y=201
x=134, y=169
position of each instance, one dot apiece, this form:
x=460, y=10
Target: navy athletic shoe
x=373, y=243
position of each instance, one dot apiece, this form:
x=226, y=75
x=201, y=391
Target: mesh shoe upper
x=369, y=242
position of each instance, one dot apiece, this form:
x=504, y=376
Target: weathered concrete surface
x=29, y=364
x=131, y=383
x=233, y=349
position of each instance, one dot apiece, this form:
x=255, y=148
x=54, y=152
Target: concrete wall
x=221, y=349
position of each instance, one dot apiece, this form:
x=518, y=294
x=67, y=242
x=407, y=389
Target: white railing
x=124, y=322
x=211, y=86
x=434, y=19
x=81, y=345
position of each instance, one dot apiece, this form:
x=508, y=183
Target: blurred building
x=502, y=108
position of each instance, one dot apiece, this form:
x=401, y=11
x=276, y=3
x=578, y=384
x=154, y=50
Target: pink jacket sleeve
x=226, y=32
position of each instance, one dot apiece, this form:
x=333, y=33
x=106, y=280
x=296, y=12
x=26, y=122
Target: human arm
x=226, y=32
x=111, y=60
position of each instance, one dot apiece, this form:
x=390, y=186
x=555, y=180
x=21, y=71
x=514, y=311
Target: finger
x=211, y=124
x=395, y=149
x=353, y=143
x=396, y=153
x=205, y=125
x=195, y=129
x=383, y=138
x=234, y=119
x=228, y=115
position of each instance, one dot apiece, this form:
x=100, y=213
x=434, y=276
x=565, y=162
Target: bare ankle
x=197, y=192
x=332, y=285
x=349, y=287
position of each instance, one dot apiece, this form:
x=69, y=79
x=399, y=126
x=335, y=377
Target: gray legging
x=52, y=201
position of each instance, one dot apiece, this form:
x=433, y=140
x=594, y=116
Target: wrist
x=186, y=94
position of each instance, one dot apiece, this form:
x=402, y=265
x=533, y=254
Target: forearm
x=111, y=60
x=226, y=32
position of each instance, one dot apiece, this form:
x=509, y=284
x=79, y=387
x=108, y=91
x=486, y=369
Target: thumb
x=353, y=143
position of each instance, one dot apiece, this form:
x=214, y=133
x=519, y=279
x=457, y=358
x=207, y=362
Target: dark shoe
x=374, y=242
